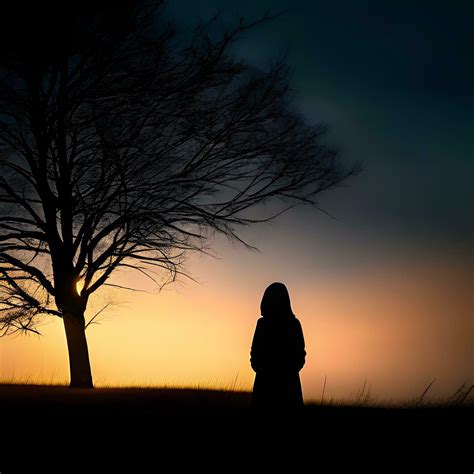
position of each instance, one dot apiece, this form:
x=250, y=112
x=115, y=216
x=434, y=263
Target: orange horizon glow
x=397, y=327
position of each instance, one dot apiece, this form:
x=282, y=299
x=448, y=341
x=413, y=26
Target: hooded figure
x=277, y=353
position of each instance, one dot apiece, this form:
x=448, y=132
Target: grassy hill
x=61, y=401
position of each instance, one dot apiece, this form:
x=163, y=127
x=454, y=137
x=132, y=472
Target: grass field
x=62, y=401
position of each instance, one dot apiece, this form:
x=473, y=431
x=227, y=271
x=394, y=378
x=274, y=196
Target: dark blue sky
x=393, y=79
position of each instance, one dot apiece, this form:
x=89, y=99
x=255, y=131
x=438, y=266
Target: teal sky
x=393, y=80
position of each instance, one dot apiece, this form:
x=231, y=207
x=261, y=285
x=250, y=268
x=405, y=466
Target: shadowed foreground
x=58, y=402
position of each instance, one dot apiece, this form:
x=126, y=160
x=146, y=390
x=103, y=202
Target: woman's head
x=276, y=302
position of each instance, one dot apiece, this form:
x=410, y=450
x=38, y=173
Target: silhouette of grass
x=60, y=400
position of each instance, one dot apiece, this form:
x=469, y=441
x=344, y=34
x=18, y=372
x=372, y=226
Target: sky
x=382, y=286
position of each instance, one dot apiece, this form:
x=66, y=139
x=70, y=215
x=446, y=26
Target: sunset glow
x=398, y=327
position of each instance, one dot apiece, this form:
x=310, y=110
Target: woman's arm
x=256, y=352
x=299, y=347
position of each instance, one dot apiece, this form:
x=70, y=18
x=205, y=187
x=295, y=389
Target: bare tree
x=122, y=147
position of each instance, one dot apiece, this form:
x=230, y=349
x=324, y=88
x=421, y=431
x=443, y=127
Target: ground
x=58, y=401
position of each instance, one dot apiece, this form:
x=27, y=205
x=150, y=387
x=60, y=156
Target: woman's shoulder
x=296, y=321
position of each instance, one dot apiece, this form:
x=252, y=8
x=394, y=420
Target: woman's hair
x=276, y=302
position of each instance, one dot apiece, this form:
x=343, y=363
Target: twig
x=458, y=393
x=362, y=392
x=466, y=394
x=91, y=321
x=235, y=381
x=324, y=388
x=426, y=390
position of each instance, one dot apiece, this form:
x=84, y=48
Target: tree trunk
x=79, y=364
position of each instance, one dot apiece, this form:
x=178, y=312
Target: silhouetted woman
x=278, y=352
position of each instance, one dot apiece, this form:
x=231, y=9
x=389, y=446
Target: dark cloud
x=394, y=81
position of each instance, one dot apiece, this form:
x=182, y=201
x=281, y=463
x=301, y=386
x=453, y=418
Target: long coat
x=277, y=355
